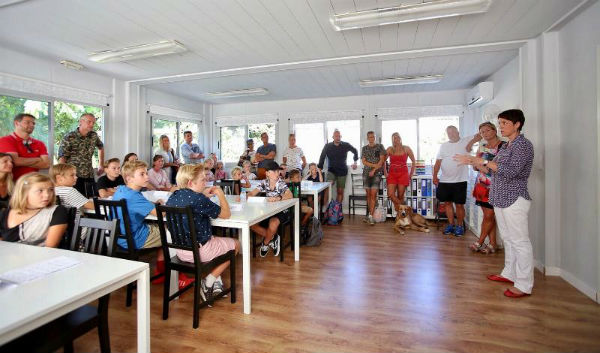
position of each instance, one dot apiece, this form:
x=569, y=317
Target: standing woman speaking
x=509, y=195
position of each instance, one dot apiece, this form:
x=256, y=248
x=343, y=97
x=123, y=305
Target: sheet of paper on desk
x=155, y=195
x=38, y=270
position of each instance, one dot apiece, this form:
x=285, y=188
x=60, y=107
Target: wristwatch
x=485, y=162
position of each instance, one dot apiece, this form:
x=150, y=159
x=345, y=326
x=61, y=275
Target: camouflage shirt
x=79, y=150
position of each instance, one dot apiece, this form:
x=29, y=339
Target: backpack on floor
x=313, y=234
x=334, y=215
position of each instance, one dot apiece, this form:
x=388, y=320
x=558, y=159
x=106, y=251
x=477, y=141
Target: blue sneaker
x=459, y=231
x=449, y=229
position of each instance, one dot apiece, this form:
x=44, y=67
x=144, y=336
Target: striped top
x=70, y=197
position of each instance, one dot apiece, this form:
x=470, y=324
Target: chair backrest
x=180, y=223
x=117, y=209
x=91, y=189
x=99, y=237
x=357, y=184
x=229, y=186
x=72, y=213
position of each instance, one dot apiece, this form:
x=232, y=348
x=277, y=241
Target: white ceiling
x=242, y=34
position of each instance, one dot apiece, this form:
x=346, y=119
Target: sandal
x=488, y=249
x=477, y=247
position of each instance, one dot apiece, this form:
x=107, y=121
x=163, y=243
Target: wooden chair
x=229, y=186
x=112, y=209
x=358, y=194
x=179, y=222
x=91, y=189
x=65, y=242
x=99, y=240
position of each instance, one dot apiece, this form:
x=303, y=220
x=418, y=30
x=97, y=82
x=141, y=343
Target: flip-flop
x=497, y=278
x=511, y=294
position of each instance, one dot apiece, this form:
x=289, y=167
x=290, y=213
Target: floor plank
x=368, y=289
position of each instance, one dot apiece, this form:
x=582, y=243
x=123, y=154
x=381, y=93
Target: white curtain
x=52, y=90
x=322, y=116
x=417, y=112
x=236, y=120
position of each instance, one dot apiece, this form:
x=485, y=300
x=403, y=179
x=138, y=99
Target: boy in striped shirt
x=65, y=176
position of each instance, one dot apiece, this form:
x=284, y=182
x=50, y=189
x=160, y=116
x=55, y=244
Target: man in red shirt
x=29, y=155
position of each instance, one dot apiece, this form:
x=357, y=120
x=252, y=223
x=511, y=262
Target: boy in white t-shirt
x=452, y=185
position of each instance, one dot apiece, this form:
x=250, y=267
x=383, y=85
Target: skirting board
x=575, y=282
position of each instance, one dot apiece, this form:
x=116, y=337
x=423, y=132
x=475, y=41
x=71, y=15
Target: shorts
x=372, y=182
x=484, y=204
x=153, y=240
x=398, y=179
x=214, y=247
x=283, y=216
x=452, y=192
x=340, y=181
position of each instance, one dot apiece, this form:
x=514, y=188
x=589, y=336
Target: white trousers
x=518, y=254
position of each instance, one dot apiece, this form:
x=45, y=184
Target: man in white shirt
x=293, y=155
x=452, y=185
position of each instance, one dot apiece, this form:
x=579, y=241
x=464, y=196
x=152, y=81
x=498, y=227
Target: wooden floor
x=367, y=289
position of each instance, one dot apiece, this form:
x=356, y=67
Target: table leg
x=174, y=285
x=316, y=204
x=246, y=269
x=143, y=310
x=297, y=230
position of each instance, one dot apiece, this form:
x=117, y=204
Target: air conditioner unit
x=480, y=94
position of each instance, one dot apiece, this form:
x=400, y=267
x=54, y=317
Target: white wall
x=368, y=104
x=577, y=62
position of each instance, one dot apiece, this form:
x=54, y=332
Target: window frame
x=246, y=131
x=51, y=101
x=178, y=122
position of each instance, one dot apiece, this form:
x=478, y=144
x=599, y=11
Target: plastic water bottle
x=243, y=196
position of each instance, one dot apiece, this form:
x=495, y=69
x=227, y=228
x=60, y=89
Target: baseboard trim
x=552, y=271
x=539, y=265
x=580, y=285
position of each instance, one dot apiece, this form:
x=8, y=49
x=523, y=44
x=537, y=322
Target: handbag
x=481, y=193
x=379, y=214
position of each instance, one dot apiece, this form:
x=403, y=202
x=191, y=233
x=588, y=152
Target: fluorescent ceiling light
x=72, y=65
x=239, y=93
x=408, y=13
x=138, y=52
x=399, y=81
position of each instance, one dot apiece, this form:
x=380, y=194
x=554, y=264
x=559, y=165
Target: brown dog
x=406, y=219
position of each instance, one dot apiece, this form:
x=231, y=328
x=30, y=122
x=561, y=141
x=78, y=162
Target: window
x=407, y=130
x=233, y=143
x=66, y=119
x=11, y=106
x=174, y=129
x=233, y=139
x=311, y=137
x=423, y=135
x=350, y=131
x=306, y=135
x=432, y=133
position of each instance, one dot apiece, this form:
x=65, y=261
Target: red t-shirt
x=14, y=144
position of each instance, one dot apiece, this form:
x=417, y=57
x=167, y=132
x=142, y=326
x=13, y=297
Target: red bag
x=481, y=193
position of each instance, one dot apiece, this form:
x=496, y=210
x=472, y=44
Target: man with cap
x=275, y=190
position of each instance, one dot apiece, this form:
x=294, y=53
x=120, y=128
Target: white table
x=251, y=214
x=314, y=189
x=30, y=305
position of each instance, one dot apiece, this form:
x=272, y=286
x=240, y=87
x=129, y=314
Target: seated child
x=316, y=176
x=276, y=190
x=220, y=172
x=32, y=217
x=208, y=165
x=193, y=192
x=237, y=174
x=65, y=176
x=247, y=171
x=107, y=184
x=145, y=235
x=157, y=176
x=295, y=177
